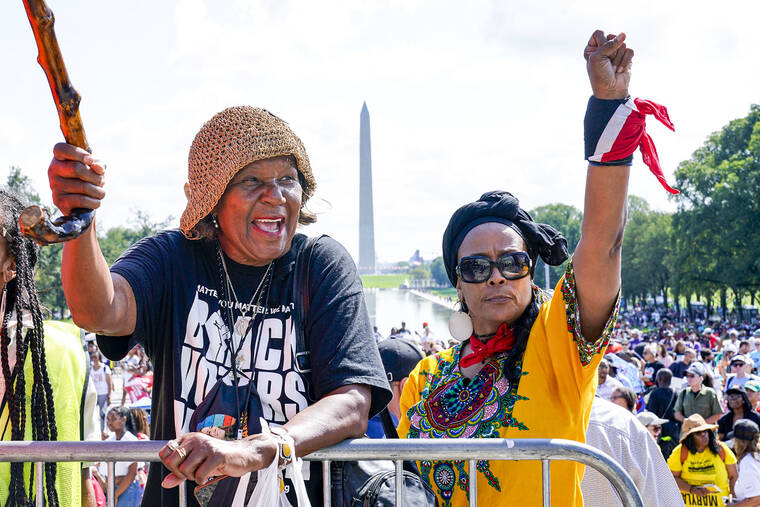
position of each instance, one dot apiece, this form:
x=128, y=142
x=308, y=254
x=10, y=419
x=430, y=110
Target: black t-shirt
x=177, y=286
x=662, y=402
x=679, y=369
x=726, y=421
x=650, y=370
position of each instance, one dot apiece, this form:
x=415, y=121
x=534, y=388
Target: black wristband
x=598, y=114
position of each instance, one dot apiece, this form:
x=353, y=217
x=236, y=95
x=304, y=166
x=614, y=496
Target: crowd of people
x=695, y=384
x=263, y=349
x=124, y=419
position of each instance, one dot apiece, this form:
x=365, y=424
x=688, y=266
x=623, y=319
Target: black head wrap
x=502, y=207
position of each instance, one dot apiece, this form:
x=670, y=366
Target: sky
x=464, y=97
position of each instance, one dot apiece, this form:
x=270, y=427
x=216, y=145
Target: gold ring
x=181, y=453
x=172, y=445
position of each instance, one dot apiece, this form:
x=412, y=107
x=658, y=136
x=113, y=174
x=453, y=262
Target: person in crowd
x=378, y=336
x=624, y=397
x=679, y=350
x=739, y=368
x=724, y=363
x=739, y=407
x=617, y=433
x=652, y=423
x=753, y=393
x=127, y=491
x=92, y=347
x=607, y=383
x=527, y=366
x=733, y=338
x=43, y=372
x=129, y=366
x=746, y=437
x=744, y=348
x=655, y=426
x=142, y=432
x=661, y=402
x=679, y=367
x=651, y=366
x=704, y=467
x=697, y=398
x=399, y=358
x=101, y=377
x=755, y=354
x=204, y=299
x=663, y=356
x=140, y=420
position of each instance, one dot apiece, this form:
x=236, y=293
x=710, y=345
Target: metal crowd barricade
x=397, y=451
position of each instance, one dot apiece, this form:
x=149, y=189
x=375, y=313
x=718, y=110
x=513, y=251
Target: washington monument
x=366, y=213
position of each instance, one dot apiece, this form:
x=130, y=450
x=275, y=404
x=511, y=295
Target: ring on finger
x=182, y=453
x=172, y=445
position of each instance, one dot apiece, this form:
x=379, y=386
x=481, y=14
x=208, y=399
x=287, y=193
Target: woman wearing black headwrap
x=527, y=365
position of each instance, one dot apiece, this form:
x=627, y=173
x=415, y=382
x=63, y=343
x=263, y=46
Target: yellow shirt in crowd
x=700, y=469
x=553, y=400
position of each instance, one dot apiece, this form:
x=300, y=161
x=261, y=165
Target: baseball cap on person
x=739, y=359
x=729, y=347
x=736, y=390
x=697, y=369
x=399, y=357
x=752, y=385
x=744, y=429
x=647, y=418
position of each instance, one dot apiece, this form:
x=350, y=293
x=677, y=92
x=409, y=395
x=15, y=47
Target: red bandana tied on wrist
x=614, y=129
x=501, y=342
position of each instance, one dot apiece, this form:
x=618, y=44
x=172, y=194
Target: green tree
x=420, y=272
x=21, y=183
x=647, y=249
x=715, y=227
x=438, y=271
x=566, y=219
x=48, y=274
x=112, y=243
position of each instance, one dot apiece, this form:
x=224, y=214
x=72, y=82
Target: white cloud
x=463, y=97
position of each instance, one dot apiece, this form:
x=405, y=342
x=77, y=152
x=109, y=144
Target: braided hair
x=21, y=298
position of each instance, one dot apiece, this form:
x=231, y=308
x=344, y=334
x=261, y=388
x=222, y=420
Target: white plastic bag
x=268, y=491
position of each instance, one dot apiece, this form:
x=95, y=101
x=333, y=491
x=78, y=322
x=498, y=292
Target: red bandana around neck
x=503, y=341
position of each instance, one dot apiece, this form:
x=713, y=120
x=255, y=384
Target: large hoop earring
x=460, y=323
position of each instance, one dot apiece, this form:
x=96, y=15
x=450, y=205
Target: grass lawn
x=383, y=281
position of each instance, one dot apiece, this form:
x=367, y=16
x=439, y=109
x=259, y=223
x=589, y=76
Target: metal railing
x=472, y=450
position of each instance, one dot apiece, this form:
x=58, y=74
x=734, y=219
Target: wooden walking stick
x=34, y=221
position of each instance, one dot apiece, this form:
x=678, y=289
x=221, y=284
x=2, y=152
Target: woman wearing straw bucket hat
x=244, y=320
x=703, y=466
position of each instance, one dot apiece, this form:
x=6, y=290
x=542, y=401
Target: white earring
x=460, y=324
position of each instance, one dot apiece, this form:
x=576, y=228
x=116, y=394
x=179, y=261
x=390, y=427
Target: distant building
x=416, y=259
x=366, y=210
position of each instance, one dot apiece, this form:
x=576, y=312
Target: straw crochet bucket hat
x=694, y=424
x=226, y=143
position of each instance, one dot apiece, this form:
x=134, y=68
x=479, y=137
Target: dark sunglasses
x=477, y=268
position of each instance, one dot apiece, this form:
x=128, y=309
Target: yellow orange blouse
x=552, y=400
